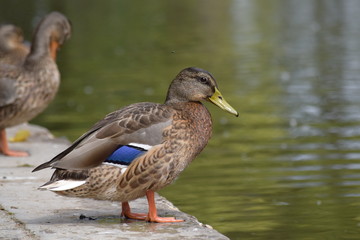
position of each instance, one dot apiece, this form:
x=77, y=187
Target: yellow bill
x=219, y=101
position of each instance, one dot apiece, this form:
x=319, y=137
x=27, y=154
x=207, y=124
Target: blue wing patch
x=124, y=155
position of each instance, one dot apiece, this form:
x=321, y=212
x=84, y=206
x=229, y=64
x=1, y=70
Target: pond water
x=289, y=166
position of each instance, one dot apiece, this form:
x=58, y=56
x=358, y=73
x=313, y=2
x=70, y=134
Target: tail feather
x=61, y=185
x=42, y=166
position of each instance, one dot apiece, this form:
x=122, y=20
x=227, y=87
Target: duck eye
x=203, y=80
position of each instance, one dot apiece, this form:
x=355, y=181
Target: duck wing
x=141, y=123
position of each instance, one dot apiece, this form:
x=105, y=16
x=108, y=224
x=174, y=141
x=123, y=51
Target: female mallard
x=12, y=48
x=27, y=89
x=141, y=148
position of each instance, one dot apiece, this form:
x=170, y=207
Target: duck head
x=52, y=31
x=10, y=37
x=196, y=85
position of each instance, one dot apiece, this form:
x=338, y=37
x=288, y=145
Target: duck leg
x=4, y=148
x=126, y=212
x=152, y=215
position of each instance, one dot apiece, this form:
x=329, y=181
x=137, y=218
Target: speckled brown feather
x=182, y=142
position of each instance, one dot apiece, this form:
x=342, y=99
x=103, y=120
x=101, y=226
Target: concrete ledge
x=28, y=213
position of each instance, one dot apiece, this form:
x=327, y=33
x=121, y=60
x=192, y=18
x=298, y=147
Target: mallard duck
x=141, y=148
x=12, y=48
x=27, y=89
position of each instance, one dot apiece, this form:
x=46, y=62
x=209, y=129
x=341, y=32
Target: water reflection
x=288, y=168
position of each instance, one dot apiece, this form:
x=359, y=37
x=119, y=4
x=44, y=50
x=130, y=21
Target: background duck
x=141, y=148
x=27, y=89
x=12, y=48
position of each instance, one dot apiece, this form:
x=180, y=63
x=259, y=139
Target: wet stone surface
x=28, y=213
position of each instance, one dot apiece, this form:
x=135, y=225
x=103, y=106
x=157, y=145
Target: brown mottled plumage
x=27, y=89
x=177, y=131
x=12, y=48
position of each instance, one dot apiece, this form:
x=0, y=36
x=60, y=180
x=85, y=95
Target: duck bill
x=219, y=101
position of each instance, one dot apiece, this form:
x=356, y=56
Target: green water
x=289, y=166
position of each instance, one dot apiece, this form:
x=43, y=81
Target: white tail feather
x=62, y=185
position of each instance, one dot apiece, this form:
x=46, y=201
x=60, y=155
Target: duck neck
x=199, y=118
x=174, y=96
x=41, y=48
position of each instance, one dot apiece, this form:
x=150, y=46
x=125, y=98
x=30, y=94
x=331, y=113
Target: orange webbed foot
x=126, y=212
x=152, y=216
x=158, y=219
x=4, y=148
x=11, y=153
